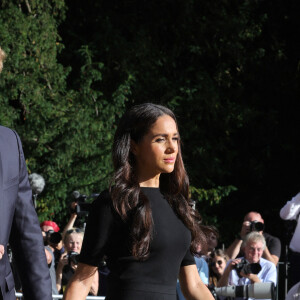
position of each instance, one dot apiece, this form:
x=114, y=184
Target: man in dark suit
x=19, y=224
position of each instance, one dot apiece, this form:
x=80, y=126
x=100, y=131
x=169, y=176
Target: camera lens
x=257, y=226
x=55, y=238
x=254, y=268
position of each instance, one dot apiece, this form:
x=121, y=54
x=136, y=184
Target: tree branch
x=28, y=6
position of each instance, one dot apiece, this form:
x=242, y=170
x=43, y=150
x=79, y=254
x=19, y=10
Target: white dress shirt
x=291, y=211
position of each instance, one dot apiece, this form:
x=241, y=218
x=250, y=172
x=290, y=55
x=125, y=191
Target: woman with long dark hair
x=145, y=223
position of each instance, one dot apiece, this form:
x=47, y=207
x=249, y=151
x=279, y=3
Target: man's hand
x=233, y=263
x=253, y=277
x=1, y=251
x=63, y=261
x=73, y=207
x=245, y=229
x=223, y=281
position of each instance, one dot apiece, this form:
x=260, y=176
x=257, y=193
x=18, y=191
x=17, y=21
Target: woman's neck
x=149, y=182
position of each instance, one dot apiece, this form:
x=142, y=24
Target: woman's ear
x=133, y=147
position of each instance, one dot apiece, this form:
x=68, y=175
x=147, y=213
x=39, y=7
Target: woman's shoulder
x=103, y=203
x=104, y=198
x=105, y=195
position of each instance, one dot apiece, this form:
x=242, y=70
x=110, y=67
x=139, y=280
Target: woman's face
x=218, y=265
x=212, y=242
x=74, y=242
x=156, y=153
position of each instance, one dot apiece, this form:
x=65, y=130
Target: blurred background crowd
x=253, y=256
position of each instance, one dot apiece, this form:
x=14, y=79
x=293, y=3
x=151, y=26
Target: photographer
x=253, y=221
x=78, y=208
x=52, y=240
x=251, y=268
x=68, y=262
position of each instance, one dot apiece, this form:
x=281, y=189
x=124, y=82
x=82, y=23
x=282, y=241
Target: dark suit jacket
x=19, y=225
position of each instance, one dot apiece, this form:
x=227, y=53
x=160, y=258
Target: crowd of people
x=216, y=267
x=251, y=258
x=62, y=249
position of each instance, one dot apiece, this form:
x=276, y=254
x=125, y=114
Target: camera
x=73, y=257
x=82, y=207
x=247, y=268
x=256, y=226
x=53, y=237
x=261, y=290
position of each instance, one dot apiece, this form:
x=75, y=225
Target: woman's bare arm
x=95, y=284
x=81, y=282
x=192, y=286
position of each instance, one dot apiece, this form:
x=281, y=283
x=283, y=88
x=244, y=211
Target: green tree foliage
x=66, y=133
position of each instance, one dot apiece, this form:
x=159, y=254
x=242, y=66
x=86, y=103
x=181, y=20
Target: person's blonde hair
x=2, y=58
x=71, y=231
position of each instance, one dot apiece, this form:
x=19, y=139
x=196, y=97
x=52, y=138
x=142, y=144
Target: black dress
x=130, y=279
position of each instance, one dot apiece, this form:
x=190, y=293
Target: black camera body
x=82, y=207
x=247, y=268
x=53, y=237
x=256, y=226
x=73, y=257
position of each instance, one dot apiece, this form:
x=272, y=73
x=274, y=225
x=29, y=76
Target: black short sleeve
x=98, y=230
x=188, y=259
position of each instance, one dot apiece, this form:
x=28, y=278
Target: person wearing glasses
x=218, y=261
x=262, y=271
x=253, y=222
x=145, y=223
x=49, y=229
x=69, y=260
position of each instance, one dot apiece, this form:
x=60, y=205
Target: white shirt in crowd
x=294, y=293
x=268, y=273
x=291, y=211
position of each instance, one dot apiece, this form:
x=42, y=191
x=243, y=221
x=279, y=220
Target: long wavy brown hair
x=127, y=197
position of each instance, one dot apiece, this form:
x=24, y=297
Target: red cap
x=50, y=223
